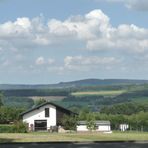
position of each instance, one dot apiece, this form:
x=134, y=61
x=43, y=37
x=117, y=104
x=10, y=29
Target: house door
x=40, y=125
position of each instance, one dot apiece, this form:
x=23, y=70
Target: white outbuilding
x=45, y=116
x=100, y=126
x=123, y=127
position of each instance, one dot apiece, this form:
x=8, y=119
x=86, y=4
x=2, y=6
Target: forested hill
x=79, y=83
x=100, y=82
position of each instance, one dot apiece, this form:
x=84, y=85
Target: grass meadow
x=47, y=137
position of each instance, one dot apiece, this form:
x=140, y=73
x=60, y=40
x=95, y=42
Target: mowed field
x=99, y=93
x=47, y=137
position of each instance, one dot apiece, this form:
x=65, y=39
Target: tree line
x=35, y=92
x=136, y=121
x=125, y=108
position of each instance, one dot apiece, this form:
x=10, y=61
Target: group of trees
x=93, y=101
x=25, y=102
x=125, y=108
x=9, y=114
x=35, y=92
x=138, y=121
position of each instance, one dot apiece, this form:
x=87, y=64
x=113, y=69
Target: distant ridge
x=78, y=83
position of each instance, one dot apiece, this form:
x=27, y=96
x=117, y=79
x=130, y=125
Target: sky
x=51, y=41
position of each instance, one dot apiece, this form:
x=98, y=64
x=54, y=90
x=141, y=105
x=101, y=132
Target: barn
x=45, y=116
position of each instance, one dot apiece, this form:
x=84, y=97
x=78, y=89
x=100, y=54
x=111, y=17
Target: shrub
x=5, y=128
x=20, y=127
x=69, y=122
x=17, y=127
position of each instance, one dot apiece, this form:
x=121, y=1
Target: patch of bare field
x=48, y=98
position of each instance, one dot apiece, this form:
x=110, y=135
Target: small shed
x=123, y=127
x=100, y=126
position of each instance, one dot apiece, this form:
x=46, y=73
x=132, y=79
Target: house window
x=46, y=112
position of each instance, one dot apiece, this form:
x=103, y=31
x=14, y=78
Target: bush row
x=17, y=127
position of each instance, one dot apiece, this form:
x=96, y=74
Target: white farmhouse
x=44, y=116
x=101, y=126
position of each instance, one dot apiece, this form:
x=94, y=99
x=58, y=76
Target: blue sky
x=49, y=41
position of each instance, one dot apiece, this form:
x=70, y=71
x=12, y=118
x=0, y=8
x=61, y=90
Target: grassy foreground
x=47, y=137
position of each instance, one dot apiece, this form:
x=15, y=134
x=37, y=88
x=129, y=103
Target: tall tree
x=91, y=121
x=40, y=101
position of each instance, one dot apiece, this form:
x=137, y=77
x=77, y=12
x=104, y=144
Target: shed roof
x=97, y=122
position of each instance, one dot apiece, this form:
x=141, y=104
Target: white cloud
x=50, y=61
x=93, y=30
x=23, y=22
x=82, y=63
x=19, y=28
x=90, y=26
x=140, y=5
x=40, y=61
x=121, y=38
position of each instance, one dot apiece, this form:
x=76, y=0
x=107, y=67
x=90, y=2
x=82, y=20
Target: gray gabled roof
x=97, y=122
x=49, y=103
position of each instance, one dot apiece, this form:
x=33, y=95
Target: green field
x=99, y=93
x=140, y=100
x=46, y=137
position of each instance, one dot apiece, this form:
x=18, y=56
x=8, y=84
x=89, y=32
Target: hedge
x=18, y=127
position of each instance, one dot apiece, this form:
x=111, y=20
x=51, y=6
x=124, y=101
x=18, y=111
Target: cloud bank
x=93, y=29
x=117, y=48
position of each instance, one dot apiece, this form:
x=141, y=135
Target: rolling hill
x=73, y=84
x=93, y=93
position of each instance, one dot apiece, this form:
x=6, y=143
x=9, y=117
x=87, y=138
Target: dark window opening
x=40, y=125
x=46, y=112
